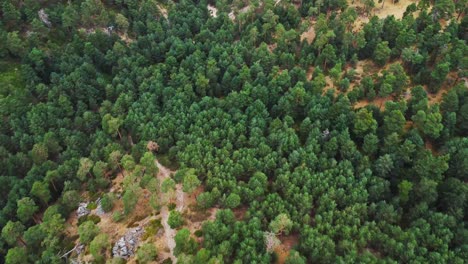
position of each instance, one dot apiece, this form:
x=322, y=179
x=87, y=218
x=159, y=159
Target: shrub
x=117, y=216
x=107, y=203
x=146, y=253
x=175, y=219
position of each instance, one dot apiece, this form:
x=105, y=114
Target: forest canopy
x=320, y=131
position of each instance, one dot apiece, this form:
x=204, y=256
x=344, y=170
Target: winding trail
x=169, y=233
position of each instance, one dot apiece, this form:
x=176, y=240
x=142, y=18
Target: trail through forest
x=169, y=233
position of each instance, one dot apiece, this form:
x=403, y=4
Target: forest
x=233, y=131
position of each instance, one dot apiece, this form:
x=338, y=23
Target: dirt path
x=169, y=233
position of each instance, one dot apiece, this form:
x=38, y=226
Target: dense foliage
x=232, y=103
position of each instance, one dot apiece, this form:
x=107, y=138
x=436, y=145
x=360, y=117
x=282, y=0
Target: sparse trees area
x=263, y=126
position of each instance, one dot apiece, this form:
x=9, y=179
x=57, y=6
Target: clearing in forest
x=143, y=216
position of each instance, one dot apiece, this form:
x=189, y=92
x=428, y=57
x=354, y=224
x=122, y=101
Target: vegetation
x=358, y=164
x=146, y=253
x=175, y=219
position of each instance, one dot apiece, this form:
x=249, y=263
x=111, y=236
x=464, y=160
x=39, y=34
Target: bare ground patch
x=287, y=243
x=308, y=35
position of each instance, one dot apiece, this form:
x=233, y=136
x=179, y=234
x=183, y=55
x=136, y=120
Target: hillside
x=209, y=132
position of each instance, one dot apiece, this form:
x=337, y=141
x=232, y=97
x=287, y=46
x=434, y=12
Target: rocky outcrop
x=44, y=17
x=127, y=245
x=82, y=210
x=99, y=210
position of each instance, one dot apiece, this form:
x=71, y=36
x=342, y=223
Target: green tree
x=128, y=163
x=41, y=191
x=70, y=200
x=401, y=79
x=294, y=257
x=168, y=185
x=205, y=200
x=146, y=253
x=184, y=242
x=12, y=232
x=34, y=236
x=405, y=188
x=70, y=17
x=327, y=55
x=443, y=8
x=114, y=160
x=99, y=246
x=39, y=153
x=111, y=125
x=121, y=22
x=148, y=161
x=364, y=123
x=281, y=224
x=371, y=144
x=394, y=121
x=450, y=102
x=232, y=201
x=388, y=85
x=438, y=76
x=429, y=124
x=382, y=53
x=191, y=181
x=15, y=44
x=130, y=199
x=369, y=6
x=107, y=202
x=384, y=165
x=175, y=219
x=99, y=169
x=16, y=255
x=11, y=14
x=26, y=208
x=85, y=169
x=53, y=223
x=87, y=231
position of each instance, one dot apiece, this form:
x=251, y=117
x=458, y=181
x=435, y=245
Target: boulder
x=126, y=246
x=82, y=210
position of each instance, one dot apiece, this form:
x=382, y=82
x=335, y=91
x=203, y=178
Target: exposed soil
x=309, y=35
x=239, y=212
x=287, y=243
x=379, y=102
x=163, y=11
x=310, y=72
x=396, y=9
x=169, y=233
x=143, y=214
x=272, y=47
x=243, y=10
x=213, y=10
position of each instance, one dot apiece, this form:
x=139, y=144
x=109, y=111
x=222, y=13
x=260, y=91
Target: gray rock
x=82, y=210
x=44, y=17
x=127, y=244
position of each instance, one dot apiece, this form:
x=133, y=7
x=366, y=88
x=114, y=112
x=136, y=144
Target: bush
x=344, y=84
x=91, y=206
x=146, y=253
x=117, y=216
x=87, y=231
x=117, y=260
x=232, y=201
x=99, y=246
x=198, y=233
x=179, y=175
x=107, y=203
x=152, y=228
x=175, y=219
x=93, y=218
x=171, y=206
